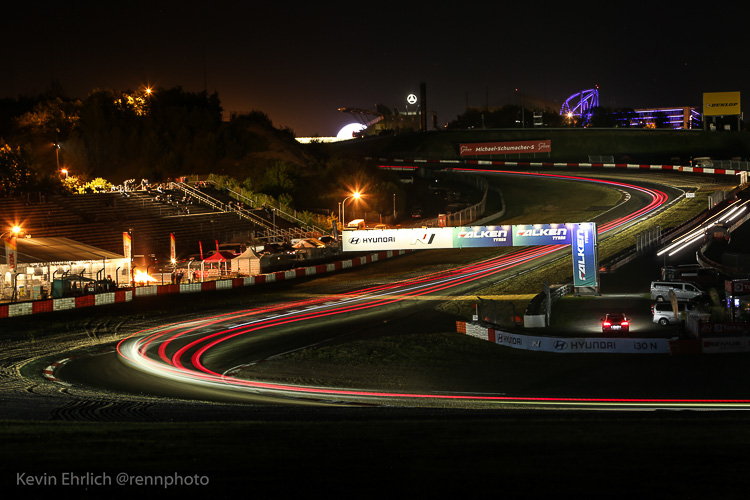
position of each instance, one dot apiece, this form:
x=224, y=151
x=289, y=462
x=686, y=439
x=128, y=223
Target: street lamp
x=12, y=256
x=16, y=230
x=356, y=195
x=57, y=154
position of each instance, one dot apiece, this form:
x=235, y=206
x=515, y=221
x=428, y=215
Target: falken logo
x=560, y=231
x=483, y=234
x=427, y=239
x=580, y=247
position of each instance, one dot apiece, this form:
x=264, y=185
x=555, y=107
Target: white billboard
x=397, y=239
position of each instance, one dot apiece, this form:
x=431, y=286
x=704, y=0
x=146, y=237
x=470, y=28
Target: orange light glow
x=141, y=277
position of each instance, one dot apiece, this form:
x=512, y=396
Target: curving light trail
x=179, y=351
x=736, y=208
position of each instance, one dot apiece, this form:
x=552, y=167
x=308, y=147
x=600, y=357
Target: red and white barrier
x=455, y=164
x=127, y=295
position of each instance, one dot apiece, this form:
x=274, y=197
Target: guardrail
x=468, y=214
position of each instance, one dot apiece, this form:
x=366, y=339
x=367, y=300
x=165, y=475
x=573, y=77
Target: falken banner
x=584, y=255
x=542, y=234
x=482, y=236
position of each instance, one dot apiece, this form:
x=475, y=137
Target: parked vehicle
x=663, y=313
x=356, y=224
x=682, y=290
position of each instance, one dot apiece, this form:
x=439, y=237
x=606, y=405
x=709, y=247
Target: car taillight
x=624, y=323
x=606, y=323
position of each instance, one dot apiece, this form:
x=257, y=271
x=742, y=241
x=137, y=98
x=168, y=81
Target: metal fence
x=468, y=214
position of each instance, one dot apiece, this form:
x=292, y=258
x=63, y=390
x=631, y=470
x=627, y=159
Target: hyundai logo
x=353, y=241
x=560, y=345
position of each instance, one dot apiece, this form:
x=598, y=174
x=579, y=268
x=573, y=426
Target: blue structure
x=580, y=104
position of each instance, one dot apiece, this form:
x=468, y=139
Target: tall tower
x=423, y=107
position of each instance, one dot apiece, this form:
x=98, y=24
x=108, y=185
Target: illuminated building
x=676, y=117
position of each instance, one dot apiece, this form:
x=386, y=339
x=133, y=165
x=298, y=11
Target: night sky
x=301, y=62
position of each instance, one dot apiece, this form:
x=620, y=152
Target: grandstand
x=197, y=218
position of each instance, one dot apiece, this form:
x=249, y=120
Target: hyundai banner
x=482, y=236
x=397, y=239
x=584, y=254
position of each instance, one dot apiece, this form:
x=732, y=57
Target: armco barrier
x=455, y=165
x=565, y=345
x=602, y=345
x=127, y=295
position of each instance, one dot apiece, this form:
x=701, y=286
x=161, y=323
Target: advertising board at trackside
x=504, y=148
x=580, y=235
x=565, y=345
x=584, y=254
x=392, y=239
x=721, y=103
x=465, y=237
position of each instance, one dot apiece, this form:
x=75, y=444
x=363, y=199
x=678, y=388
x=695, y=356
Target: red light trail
x=150, y=350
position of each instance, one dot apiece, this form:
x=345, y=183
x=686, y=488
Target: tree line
x=53, y=142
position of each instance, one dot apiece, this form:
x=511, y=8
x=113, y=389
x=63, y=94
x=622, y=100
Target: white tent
x=246, y=263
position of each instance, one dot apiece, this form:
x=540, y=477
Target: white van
x=682, y=290
x=356, y=224
x=663, y=313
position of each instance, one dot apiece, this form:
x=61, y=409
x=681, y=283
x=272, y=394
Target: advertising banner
x=397, y=239
x=126, y=247
x=541, y=234
x=725, y=344
x=737, y=287
x=11, y=251
x=505, y=148
x=584, y=254
x=721, y=103
x=482, y=236
x=583, y=345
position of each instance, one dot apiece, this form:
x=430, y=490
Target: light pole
x=57, y=154
x=356, y=195
x=11, y=252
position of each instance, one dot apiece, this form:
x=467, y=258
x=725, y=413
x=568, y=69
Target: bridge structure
x=581, y=104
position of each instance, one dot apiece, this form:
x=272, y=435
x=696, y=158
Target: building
x=676, y=117
x=57, y=267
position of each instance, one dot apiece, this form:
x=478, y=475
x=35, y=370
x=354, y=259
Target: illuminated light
x=687, y=244
x=141, y=277
x=350, y=130
x=691, y=237
x=739, y=212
